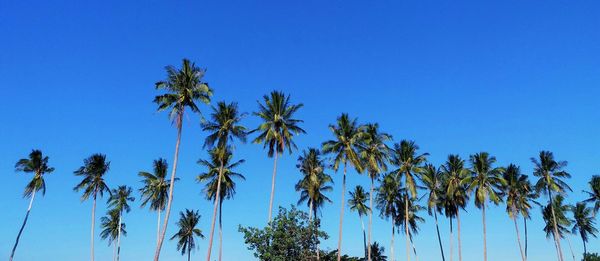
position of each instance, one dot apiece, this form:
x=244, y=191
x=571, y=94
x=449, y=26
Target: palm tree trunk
x=406, y=227
x=484, y=232
x=451, y=237
x=12, y=254
x=93, y=224
x=364, y=235
x=570, y=247
x=339, y=253
x=189, y=253
x=525, y=223
x=114, y=250
x=171, y=185
x=220, y=231
x=458, y=231
x=310, y=210
x=119, y=235
x=437, y=228
x=392, y=243
x=584, y=248
x=158, y=227
x=370, y=220
x=273, y=185
x=217, y=200
x=556, y=235
x=518, y=236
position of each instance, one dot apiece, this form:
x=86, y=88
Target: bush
x=591, y=257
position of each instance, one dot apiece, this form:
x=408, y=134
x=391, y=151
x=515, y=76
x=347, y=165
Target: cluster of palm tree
x=400, y=177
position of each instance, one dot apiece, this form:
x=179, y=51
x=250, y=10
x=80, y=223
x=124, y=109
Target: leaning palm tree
x=224, y=126
x=183, y=88
x=118, y=200
x=594, y=194
x=517, y=190
x=375, y=154
x=455, y=195
x=38, y=165
x=155, y=189
x=344, y=148
x=93, y=170
x=187, y=233
x=432, y=180
x=357, y=202
x=486, y=181
x=110, y=229
x=555, y=218
x=388, y=195
x=220, y=166
x=277, y=130
x=550, y=173
x=409, y=165
x=584, y=223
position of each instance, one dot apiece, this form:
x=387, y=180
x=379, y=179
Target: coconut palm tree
x=584, y=223
x=375, y=154
x=344, y=148
x=409, y=165
x=187, y=233
x=517, y=190
x=37, y=164
x=432, y=181
x=224, y=126
x=110, y=229
x=377, y=252
x=551, y=174
x=118, y=200
x=594, y=194
x=455, y=195
x=357, y=202
x=388, y=196
x=155, y=189
x=93, y=170
x=221, y=166
x=412, y=216
x=277, y=130
x=557, y=211
x=315, y=182
x=486, y=181
x=183, y=88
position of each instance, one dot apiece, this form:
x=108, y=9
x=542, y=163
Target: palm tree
x=315, y=181
x=487, y=183
x=186, y=236
x=348, y=137
x=224, y=126
x=388, y=195
x=221, y=166
x=594, y=194
x=584, y=223
x=518, y=192
x=277, y=130
x=412, y=216
x=432, y=179
x=155, y=189
x=375, y=154
x=357, y=202
x=118, y=200
x=183, y=87
x=556, y=211
x=455, y=195
x=38, y=165
x=93, y=170
x=110, y=229
x=409, y=164
x=377, y=252
x=550, y=173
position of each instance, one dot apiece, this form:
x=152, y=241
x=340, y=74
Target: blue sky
x=511, y=78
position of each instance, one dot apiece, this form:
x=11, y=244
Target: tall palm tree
x=344, y=148
x=110, y=229
x=594, y=194
x=155, y=189
x=315, y=182
x=517, y=190
x=550, y=173
x=183, y=88
x=188, y=232
x=584, y=223
x=409, y=165
x=375, y=154
x=432, y=180
x=38, y=165
x=221, y=166
x=388, y=195
x=455, y=195
x=412, y=216
x=357, y=202
x=118, y=200
x=93, y=170
x=224, y=126
x=487, y=182
x=277, y=130
x=555, y=217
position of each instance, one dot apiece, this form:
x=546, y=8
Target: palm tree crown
x=594, y=194
x=409, y=163
x=550, y=173
x=315, y=182
x=486, y=180
x=358, y=201
x=562, y=221
x=348, y=136
x=432, y=181
x=93, y=171
x=119, y=198
x=37, y=164
x=224, y=125
x=187, y=233
x=518, y=191
x=155, y=187
x=110, y=226
x=374, y=151
x=453, y=184
x=218, y=156
x=584, y=224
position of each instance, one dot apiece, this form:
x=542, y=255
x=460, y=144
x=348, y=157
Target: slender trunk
x=556, y=235
x=12, y=254
x=364, y=235
x=93, y=224
x=458, y=231
x=158, y=227
x=310, y=210
x=392, y=243
x=514, y=218
x=273, y=185
x=171, y=185
x=484, y=232
x=414, y=248
x=119, y=235
x=525, y=222
x=584, y=249
x=370, y=220
x=189, y=253
x=437, y=228
x=406, y=227
x=451, y=237
x=114, y=250
x=339, y=253
x=220, y=231
x=570, y=247
x=217, y=200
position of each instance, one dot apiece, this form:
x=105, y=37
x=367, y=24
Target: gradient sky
x=510, y=77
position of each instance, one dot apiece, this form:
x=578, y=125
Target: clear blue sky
x=510, y=78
